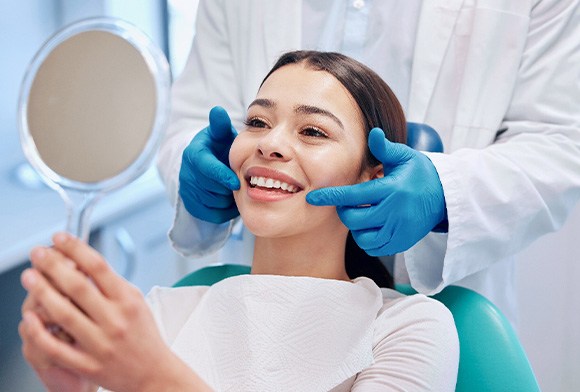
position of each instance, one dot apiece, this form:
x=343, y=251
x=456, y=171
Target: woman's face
x=303, y=131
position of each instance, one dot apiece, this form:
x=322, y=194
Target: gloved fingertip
x=233, y=183
x=217, y=111
x=219, y=121
x=315, y=198
x=377, y=143
x=377, y=133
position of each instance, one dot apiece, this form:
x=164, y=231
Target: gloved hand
x=206, y=181
x=389, y=215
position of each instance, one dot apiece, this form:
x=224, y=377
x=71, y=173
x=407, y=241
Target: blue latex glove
x=206, y=181
x=389, y=215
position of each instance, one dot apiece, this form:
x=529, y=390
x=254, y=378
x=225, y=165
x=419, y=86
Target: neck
x=319, y=255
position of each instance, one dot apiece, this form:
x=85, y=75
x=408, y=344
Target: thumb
x=387, y=152
x=220, y=125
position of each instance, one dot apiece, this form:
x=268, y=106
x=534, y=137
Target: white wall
x=548, y=277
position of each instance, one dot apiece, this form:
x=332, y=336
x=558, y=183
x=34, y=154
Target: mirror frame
x=160, y=72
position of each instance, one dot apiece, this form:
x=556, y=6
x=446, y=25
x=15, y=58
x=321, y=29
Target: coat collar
x=436, y=23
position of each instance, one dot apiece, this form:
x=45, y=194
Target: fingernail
x=28, y=278
x=60, y=238
x=38, y=253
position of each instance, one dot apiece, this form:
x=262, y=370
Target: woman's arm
x=112, y=340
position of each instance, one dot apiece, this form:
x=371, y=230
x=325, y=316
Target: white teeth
x=271, y=183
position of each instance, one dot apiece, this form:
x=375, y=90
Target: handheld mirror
x=92, y=110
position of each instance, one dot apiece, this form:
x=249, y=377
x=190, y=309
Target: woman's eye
x=314, y=132
x=255, y=123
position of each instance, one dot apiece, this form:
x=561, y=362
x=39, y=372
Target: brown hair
x=380, y=108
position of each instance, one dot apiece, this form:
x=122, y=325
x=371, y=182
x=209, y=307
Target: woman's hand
x=34, y=332
x=114, y=341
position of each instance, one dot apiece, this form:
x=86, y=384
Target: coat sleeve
x=208, y=79
x=525, y=184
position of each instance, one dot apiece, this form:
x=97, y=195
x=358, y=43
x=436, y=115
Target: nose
x=275, y=145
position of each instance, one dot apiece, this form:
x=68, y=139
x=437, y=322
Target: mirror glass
x=92, y=110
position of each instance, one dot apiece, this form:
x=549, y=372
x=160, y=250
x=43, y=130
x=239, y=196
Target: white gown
x=274, y=333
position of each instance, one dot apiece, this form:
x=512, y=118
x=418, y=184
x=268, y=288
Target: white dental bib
x=276, y=333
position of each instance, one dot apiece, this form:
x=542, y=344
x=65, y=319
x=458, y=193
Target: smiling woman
x=301, y=321
x=308, y=138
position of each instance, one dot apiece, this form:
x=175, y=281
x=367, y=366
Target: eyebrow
x=306, y=109
x=303, y=109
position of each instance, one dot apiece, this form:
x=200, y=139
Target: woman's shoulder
x=399, y=310
x=413, y=307
x=415, y=343
x=415, y=314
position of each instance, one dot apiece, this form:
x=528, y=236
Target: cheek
x=238, y=152
x=335, y=169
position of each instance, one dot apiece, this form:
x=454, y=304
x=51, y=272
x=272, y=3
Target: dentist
x=499, y=81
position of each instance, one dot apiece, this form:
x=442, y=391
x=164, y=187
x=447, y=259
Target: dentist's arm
x=208, y=78
x=389, y=215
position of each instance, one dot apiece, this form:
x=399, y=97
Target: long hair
x=380, y=108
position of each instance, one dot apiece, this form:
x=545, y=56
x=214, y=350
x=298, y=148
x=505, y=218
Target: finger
x=389, y=153
x=213, y=187
x=216, y=215
x=360, y=218
x=42, y=348
x=68, y=280
x=369, y=192
x=26, y=330
x=89, y=261
x=208, y=200
x=61, y=311
x=201, y=161
x=207, y=192
x=216, y=178
x=369, y=238
x=220, y=125
x=30, y=304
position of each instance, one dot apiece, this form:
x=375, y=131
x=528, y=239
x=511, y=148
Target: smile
x=270, y=183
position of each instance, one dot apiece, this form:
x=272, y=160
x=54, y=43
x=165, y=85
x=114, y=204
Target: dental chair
x=491, y=357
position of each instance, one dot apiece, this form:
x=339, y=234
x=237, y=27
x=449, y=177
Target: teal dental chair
x=492, y=358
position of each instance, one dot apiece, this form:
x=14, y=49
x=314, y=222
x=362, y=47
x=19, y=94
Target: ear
x=373, y=173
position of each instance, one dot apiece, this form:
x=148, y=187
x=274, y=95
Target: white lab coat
x=479, y=66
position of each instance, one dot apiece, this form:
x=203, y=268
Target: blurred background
x=130, y=226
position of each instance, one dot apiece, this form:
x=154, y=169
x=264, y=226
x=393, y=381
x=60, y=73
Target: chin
x=266, y=226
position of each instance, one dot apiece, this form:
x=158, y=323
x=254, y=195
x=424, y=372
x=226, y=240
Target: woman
x=302, y=320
